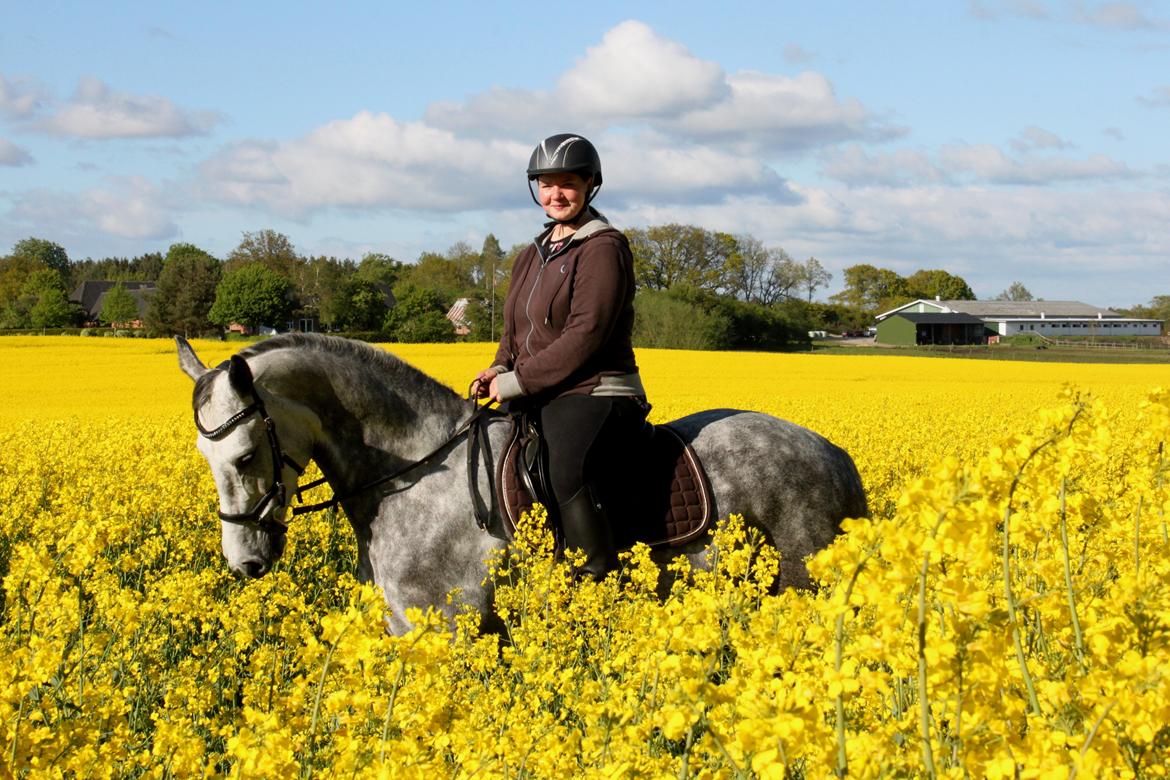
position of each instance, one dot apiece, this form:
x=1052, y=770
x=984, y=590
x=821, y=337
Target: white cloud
x=21, y=97
x=97, y=112
x=12, y=155
x=780, y=112
x=646, y=168
x=987, y=235
x=636, y=78
x=854, y=166
x=986, y=163
x=371, y=161
x=635, y=73
x=130, y=208
x=501, y=112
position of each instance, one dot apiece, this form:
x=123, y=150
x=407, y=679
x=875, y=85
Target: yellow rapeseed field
x=1005, y=612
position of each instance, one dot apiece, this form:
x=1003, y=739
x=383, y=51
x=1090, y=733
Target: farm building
x=1054, y=319
x=912, y=328
x=91, y=296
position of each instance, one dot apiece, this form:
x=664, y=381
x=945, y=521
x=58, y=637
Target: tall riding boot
x=587, y=528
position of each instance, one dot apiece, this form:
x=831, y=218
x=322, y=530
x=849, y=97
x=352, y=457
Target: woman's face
x=562, y=195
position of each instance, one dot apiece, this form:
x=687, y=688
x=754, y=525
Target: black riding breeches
x=584, y=435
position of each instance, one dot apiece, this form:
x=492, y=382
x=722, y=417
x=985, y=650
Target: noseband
x=276, y=491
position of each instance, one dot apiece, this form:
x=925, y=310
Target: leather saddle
x=659, y=494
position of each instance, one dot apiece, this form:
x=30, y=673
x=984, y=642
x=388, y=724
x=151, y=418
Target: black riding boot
x=587, y=528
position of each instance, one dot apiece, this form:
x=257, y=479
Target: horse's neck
x=371, y=423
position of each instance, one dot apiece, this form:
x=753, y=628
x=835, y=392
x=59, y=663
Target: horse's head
x=256, y=442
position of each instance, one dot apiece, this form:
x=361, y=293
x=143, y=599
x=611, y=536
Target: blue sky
x=1001, y=140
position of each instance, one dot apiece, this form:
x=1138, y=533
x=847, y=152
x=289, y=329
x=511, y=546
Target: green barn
x=908, y=329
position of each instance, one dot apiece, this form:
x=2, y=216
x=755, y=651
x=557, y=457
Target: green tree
x=186, y=291
x=758, y=274
x=872, y=289
x=937, y=283
x=268, y=248
x=43, y=297
x=669, y=255
x=813, y=276
x=664, y=321
x=1016, y=291
x=380, y=269
x=318, y=283
x=252, y=295
x=360, y=305
x=44, y=253
x=118, y=307
x=419, y=316
x=444, y=275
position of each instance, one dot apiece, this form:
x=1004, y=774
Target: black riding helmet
x=566, y=153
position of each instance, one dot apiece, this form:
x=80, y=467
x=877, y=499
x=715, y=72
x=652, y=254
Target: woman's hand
x=484, y=385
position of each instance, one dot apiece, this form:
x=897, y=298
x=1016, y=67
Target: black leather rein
x=474, y=428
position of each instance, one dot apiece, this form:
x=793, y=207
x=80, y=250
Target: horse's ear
x=188, y=361
x=240, y=376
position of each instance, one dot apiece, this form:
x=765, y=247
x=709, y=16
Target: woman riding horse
x=566, y=356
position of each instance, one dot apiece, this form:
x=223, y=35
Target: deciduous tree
x=268, y=248
x=1016, y=291
x=937, y=283
x=252, y=295
x=118, y=307
x=419, y=316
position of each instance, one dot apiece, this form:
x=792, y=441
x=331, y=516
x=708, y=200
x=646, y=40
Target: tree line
x=697, y=288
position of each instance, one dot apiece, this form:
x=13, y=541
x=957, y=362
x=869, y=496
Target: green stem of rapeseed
x=1010, y=598
x=1068, y=583
x=923, y=700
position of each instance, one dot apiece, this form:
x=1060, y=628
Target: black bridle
x=474, y=427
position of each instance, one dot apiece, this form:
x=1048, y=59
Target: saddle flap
x=660, y=495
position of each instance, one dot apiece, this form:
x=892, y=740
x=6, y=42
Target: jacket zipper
x=544, y=261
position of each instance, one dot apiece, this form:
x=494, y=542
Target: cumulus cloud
x=368, y=161
x=635, y=73
x=782, y=113
x=634, y=77
x=97, y=112
x=643, y=168
x=12, y=155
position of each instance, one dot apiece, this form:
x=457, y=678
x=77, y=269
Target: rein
x=474, y=428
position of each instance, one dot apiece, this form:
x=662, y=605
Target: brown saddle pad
x=660, y=495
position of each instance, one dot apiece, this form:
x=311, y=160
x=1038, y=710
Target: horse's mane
x=379, y=361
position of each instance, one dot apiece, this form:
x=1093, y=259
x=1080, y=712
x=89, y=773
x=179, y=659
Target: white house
x=1054, y=319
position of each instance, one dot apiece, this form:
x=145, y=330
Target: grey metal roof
x=1027, y=308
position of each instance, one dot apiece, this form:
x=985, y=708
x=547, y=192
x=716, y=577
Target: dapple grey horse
x=364, y=415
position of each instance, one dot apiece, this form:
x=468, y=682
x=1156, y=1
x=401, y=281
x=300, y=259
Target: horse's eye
x=245, y=459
